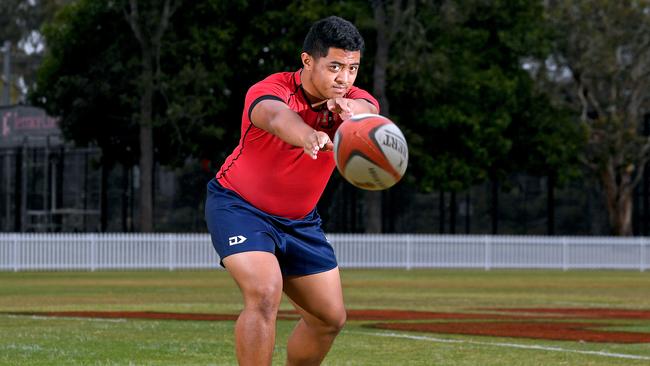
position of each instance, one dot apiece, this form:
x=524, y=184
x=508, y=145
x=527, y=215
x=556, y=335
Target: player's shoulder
x=279, y=86
x=278, y=79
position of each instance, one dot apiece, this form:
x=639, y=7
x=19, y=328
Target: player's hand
x=317, y=141
x=341, y=106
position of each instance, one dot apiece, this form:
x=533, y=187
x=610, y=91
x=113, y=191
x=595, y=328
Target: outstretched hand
x=341, y=106
x=317, y=141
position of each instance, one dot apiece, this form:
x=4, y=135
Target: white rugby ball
x=370, y=152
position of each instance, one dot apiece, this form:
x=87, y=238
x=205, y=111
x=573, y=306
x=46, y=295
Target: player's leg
x=240, y=235
x=258, y=276
x=319, y=300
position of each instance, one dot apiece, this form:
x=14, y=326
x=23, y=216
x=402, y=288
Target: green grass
x=27, y=340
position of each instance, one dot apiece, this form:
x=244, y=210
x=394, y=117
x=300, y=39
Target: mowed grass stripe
x=74, y=341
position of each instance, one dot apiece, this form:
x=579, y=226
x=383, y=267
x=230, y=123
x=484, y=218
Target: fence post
x=15, y=254
x=93, y=252
x=488, y=253
x=565, y=254
x=409, y=264
x=642, y=264
x=171, y=242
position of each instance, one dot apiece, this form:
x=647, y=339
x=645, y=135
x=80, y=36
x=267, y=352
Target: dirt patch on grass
x=563, y=331
x=580, y=313
x=387, y=314
x=369, y=315
x=131, y=315
x=536, y=323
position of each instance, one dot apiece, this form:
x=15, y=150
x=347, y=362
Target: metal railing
x=50, y=251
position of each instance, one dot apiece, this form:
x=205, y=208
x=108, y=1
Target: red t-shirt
x=272, y=175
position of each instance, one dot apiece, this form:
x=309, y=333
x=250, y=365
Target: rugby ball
x=370, y=152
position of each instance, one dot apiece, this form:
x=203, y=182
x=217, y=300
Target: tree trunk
x=20, y=188
x=468, y=211
x=550, y=203
x=150, y=42
x=646, y=201
x=494, y=206
x=146, y=144
x=441, y=212
x=452, y=212
x=373, y=200
x=618, y=194
x=125, y=197
x=372, y=210
x=623, y=225
x=387, y=209
x=643, y=201
x=354, y=210
x=104, y=196
x=381, y=59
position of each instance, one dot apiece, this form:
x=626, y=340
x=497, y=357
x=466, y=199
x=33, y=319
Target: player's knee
x=264, y=299
x=340, y=320
x=335, y=321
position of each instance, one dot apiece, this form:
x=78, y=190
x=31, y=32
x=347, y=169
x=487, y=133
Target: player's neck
x=310, y=91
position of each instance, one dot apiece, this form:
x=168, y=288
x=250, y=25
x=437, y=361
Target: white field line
x=506, y=345
x=43, y=317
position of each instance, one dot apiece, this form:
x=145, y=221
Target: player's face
x=333, y=75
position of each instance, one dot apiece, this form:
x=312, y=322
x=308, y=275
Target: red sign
x=20, y=122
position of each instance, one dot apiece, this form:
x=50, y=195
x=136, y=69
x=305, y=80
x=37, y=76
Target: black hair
x=334, y=32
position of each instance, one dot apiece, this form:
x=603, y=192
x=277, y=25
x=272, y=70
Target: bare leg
x=259, y=278
x=319, y=300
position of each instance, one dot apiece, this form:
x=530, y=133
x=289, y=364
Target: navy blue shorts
x=237, y=226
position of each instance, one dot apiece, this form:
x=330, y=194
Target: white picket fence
x=27, y=252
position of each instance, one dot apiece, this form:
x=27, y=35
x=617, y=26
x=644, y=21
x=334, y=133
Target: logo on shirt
x=326, y=120
x=234, y=240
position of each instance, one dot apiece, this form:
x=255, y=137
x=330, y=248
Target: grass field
x=39, y=340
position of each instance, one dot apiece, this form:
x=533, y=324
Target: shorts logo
x=234, y=240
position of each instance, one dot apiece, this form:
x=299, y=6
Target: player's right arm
x=278, y=119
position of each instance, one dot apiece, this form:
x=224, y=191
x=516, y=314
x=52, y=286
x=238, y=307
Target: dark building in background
x=46, y=184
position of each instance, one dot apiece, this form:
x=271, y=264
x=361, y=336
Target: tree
x=548, y=147
x=20, y=22
x=600, y=67
x=459, y=85
x=148, y=25
x=91, y=77
x=389, y=18
x=85, y=78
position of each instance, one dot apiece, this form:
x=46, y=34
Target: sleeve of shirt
x=266, y=89
x=358, y=93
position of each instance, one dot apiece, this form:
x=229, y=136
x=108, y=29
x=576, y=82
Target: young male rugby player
x=261, y=206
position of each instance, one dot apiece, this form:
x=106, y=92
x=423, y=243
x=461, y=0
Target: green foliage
x=20, y=23
x=599, y=68
x=196, y=103
x=89, y=77
x=86, y=77
x=212, y=53
x=603, y=46
x=455, y=81
x=470, y=106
